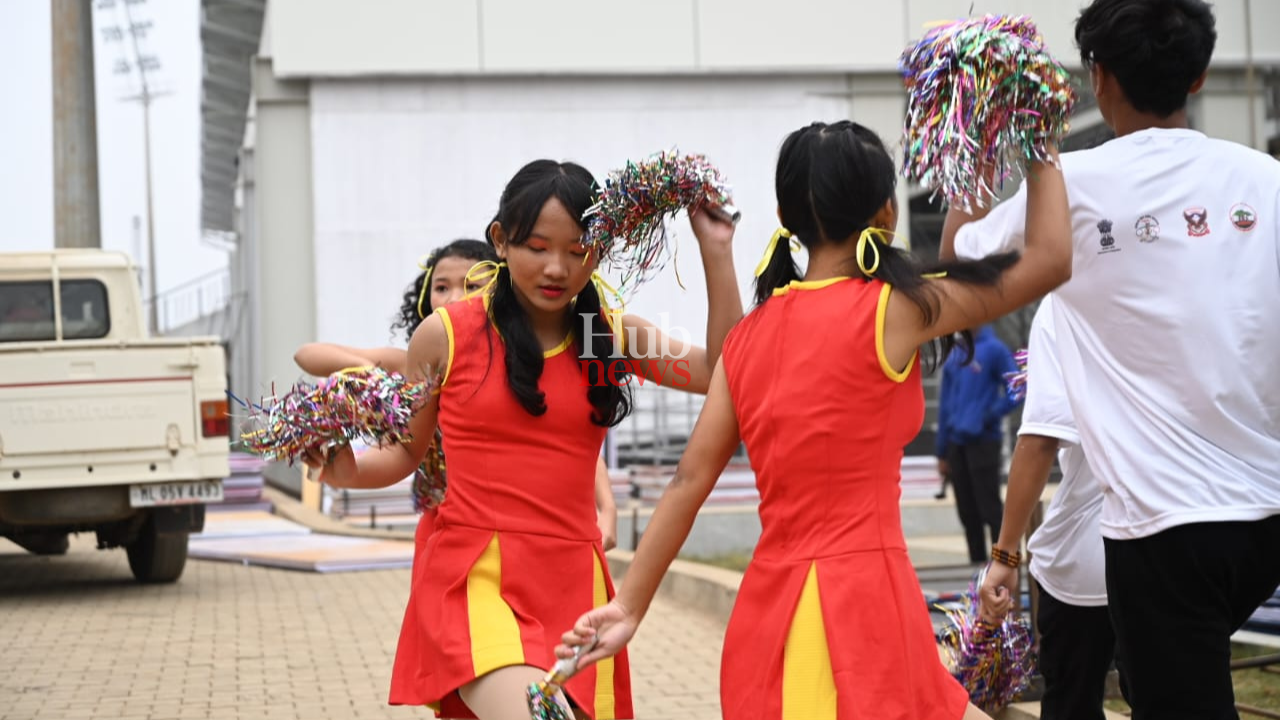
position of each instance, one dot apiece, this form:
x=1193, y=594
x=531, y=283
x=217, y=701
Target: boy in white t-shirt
x=1167, y=336
x=1077, y=643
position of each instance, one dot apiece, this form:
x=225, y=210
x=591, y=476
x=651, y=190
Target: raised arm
x=724, y=302
x=387, y=465
x=681, y=365
x=714, y=439
x=322, y=359
x=1044, y=265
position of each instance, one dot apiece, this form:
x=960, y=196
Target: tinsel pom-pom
x=1016, y=381
x=541, y=695
x=994, y=663
x=369, y=404
x=627, y=224
x=429, y=481
x=542, y=703
x=984, y=96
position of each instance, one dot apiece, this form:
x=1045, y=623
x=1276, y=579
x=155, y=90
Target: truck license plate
x=176, y=493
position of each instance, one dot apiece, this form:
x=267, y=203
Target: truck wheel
x=155, y=557
x=44, y=543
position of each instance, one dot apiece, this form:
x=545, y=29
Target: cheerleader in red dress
x=822, y=383
x=515, y=555
x=445, y=278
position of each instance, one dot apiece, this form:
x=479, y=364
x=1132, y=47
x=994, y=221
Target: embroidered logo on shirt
x=1107, y=241
x=1197, y=221
x=1147, y=229
x=1243, y=217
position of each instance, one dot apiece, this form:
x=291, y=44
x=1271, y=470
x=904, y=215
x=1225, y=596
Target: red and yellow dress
x=516, y=555
x=830, y=621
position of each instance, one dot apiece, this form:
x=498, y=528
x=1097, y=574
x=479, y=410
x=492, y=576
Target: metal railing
x=196, y=299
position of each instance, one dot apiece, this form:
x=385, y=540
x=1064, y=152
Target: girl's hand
x=612, y=624
x=335, y=466
x=712, y=228
x=608, y=524
x=994, y=598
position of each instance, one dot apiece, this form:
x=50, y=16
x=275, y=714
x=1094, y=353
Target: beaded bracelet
x=1012, y=560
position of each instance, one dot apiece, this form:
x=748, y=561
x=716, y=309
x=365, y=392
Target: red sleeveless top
x=509, y=470
x=825, y=420
x=515, y=556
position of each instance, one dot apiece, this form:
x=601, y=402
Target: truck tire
x=157, y=557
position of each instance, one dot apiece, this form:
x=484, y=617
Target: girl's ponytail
x=776, y=269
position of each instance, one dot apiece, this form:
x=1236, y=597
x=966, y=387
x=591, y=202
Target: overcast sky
x=26, y=178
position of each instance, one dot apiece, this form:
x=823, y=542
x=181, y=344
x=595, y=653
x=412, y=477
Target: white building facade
x=379, y=130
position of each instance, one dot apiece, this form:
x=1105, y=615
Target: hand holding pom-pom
x=992, y=660
x=627, y=225
x=311, y=420
x=333, y=466
x=983, y=94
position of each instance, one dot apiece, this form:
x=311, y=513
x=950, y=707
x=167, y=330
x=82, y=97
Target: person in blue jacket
x=972, y=403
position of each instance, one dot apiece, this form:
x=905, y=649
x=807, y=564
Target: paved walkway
x=83, y=641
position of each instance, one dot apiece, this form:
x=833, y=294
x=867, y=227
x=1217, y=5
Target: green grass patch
x=1255, y=686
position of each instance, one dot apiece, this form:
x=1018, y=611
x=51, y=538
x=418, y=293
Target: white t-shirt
x=1169, y=330
x=1067, y=556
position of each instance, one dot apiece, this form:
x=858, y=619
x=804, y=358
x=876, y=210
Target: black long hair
x=409, y=317
x=518, y=210
x=830, y=182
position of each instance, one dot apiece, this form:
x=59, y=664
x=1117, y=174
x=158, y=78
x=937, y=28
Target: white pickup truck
x=101, y=427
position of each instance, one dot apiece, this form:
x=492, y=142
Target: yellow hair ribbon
x=613, y=315
x=779, y=234
x=867, y=241
x=424, y=264
x=422, y=294
x=603, y=286
x=485, y=271
x=676, y=263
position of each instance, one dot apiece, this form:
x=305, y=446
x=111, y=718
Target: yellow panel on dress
x=495, y=634
x=604, y=701
x=808, y=683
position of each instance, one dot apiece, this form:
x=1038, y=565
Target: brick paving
x=83, y=641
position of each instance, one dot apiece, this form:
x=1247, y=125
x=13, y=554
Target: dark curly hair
x=408, y=318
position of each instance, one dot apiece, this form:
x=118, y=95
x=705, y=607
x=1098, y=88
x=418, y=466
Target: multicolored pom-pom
x=429, y=482
x=1016, y=381
x=984, y=96
x=627, y=225
x=541, y=695
x=369, y=404
x=994, y=663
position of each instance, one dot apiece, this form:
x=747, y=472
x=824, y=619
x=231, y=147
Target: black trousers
x=975, y=476
x=1077, y=647
x=1175, y=598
